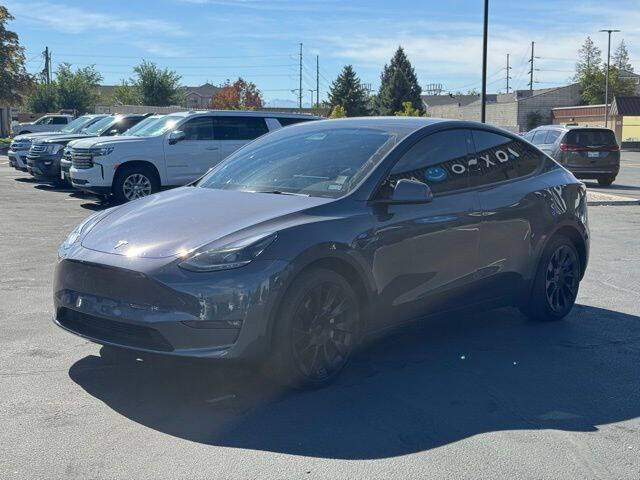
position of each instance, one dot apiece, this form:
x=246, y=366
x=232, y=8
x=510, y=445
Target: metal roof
x=626, y=106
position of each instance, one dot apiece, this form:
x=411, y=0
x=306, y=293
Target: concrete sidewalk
x=599, y=198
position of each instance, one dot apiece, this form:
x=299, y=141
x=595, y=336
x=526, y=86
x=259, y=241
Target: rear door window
x=499, y=158
x=590, y=137
x=239, y=128
x=539, y=137
x=59, y=121
x=284, y=121
x=552, y=136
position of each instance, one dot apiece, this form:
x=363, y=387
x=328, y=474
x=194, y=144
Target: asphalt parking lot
x=482, y=395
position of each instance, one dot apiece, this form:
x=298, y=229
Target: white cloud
x=75, y=20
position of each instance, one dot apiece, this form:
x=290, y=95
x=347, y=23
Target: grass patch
x=4, y=142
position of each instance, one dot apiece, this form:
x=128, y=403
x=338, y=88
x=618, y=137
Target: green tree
x=156, y=86
x=43, y=98
x=14, y=78
x=126, y=94
x=621, y=58
x=338, y=112
x=398, y=84
x=589, y=59
x=593, y=85
x=348, y=92
x=408, y=110
x=77, y=90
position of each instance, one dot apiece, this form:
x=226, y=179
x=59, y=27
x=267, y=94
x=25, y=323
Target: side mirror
x=175, y=136
x=112, y=132
x=411, y=191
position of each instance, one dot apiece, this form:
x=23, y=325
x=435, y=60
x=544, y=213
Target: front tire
x=556, y=284
x=135, y=182
x=317, y=330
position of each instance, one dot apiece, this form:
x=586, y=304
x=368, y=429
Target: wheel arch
x=339, y=265
x=138, y=163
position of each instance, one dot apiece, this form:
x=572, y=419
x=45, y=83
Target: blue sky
x=211, y=40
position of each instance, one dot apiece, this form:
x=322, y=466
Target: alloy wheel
x=135, y=186
x=561, y=281
x=324, y=331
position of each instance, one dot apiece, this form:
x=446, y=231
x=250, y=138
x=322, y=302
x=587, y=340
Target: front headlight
x=100, y=151
x=80, y=229
x=234, y=255
x=54, y=148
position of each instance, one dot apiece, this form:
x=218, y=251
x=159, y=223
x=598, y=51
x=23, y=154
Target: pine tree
x=14, y=78
x=398, y=84
x=589, y=59
x=621, y=58
x=348, y=92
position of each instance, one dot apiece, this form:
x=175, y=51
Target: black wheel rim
x=323, y=331
x=562, y=279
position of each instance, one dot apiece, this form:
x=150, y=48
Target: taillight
x=611, y=148
x=567, y=147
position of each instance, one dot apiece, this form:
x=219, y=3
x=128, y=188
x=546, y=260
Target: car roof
x=244, y=113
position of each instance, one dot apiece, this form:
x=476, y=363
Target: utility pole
x=508, y=76
x=317, y=81
x=606, y=82
x=47, y=65
x=531, y=71
x=483, y=111
x=300, y=88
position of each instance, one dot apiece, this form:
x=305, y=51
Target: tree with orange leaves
x=240, y=95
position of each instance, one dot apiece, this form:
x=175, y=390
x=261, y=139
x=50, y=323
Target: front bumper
x=149, y=305
x=18, y=159
x=90, y=179
x=44, y=167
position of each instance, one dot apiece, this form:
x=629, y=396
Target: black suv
x=588, y=152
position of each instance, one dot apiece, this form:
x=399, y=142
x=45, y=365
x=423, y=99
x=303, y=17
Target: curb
x=613, y=203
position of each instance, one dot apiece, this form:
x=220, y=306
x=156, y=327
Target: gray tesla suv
x=302, y=244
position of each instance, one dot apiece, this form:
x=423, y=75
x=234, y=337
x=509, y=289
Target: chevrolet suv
x=174, y=151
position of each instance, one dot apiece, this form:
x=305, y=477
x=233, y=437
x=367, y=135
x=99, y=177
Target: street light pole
x=483, y=110
x=606, y=82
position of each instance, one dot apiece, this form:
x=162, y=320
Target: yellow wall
x=630, y=129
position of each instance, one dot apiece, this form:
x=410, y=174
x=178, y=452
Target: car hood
x=29, y=136
x=177, y=221
x=91, y=142
x=71, y=136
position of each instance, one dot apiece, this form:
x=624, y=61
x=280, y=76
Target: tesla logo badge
x=121, y=243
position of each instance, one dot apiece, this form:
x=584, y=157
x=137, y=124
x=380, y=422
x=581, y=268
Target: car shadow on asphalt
x=613, y=186
x=422, y=387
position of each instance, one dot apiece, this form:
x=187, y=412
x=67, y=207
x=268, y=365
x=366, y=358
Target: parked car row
x=51, y=122
x=588, y=152
x=128, y=156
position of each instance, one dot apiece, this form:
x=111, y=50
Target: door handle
x=212, y=148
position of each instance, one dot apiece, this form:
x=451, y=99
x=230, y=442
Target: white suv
x=172, y=151
x=46, y=123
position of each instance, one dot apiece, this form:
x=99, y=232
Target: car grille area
x=112, y=331
x=38, y=148
x=81, y=158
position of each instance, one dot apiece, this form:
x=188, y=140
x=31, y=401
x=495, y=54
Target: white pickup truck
x=50, y=122
x=172, y=151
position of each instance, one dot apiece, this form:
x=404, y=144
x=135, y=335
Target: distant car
x=46, y=123
x=44, y=162
x=297, y=246
x=588, y=152
x=21, y=144
x=173, y=152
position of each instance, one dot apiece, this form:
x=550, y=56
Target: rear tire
x=605, y=181
x=316, y=332
x=556, y=284
x=134, y=182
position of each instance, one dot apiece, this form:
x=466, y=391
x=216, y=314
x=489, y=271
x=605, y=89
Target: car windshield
x=99, y=126
x=139, y=129
x=323, y=162
x=77, y=124
x=158, y=127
